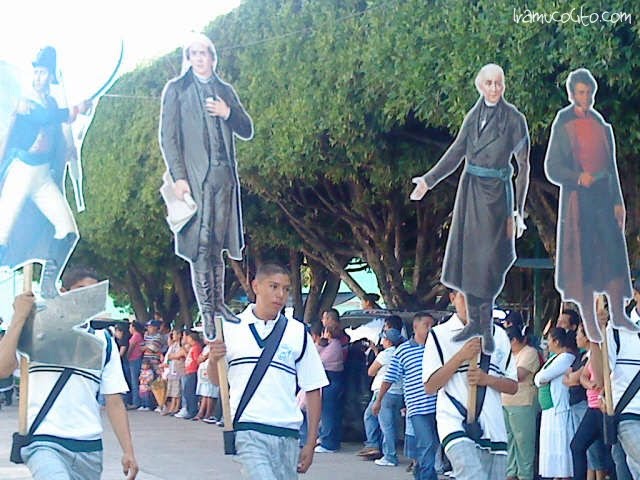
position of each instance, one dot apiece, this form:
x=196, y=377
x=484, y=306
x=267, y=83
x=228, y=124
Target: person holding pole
x=267, y=430
x=477, y=449
x=67, y=444
x=619, y=354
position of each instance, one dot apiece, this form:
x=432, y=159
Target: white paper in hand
x=179, y=211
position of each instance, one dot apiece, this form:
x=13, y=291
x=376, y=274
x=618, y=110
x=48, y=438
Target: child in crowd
x=205, y=389
x=175, y=360
x=146, y=378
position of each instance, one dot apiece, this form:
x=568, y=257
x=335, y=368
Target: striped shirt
x=406, y=364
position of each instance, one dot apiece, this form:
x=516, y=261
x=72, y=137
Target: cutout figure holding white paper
x=201, y=116
x=591, y=251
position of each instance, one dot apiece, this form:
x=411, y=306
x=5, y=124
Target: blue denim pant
x=266, y=457
x=427, y=442
x=134, y=381
x=620, y=461
x=331, y=417
x=50, y=461
x=371, y=425
x=628, y=434
x=189, y=394
x=304, y=430
x=389, y=415
x=472, y=463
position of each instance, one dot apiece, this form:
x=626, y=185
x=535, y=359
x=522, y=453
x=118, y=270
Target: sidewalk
x=168, y=448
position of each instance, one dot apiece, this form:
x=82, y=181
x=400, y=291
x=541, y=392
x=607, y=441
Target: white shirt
x=624, y=366
x=448, y=419
x=274, y=402
x=384, y=359
x=76, y=412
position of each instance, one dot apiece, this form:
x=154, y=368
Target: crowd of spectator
x=553, y=419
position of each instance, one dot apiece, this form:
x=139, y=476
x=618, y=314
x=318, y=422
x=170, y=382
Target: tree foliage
x=350, y=99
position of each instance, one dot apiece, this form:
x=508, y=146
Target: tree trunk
x=243, y=277
x=184, y=293
x=295, y=262
x=137, y=299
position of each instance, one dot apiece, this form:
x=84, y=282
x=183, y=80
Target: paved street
x=171, y=449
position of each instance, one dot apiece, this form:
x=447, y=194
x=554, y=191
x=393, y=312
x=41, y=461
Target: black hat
x=46, y=58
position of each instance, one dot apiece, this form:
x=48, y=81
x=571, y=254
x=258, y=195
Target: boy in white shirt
x=445, y=370
x=267, y=431
x=67, y=444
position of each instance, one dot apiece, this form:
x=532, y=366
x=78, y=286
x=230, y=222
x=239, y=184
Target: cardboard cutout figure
x=481, y=247
x=58, y=333
x=591, y=251
x=36, y=223
x=201, y=116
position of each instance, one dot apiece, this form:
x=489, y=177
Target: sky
x=87, y=34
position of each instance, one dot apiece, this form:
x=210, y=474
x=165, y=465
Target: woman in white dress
x=556, y=428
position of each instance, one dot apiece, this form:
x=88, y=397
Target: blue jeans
x=331, y=417
x=304, y=430
x=50, y=461
x=388, y=418
x=371, y=425
x=189, y=394
x=628, y=434
x=266, y=457
x=472, y=463
x=620, y=461
x=427, y=442
x=134, y=380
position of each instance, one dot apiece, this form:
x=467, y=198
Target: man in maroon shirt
x=591, y=254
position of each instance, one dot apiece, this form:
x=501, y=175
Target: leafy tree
x=350, y=99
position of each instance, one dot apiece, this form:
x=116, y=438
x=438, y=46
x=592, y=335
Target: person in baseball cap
x=394, y=336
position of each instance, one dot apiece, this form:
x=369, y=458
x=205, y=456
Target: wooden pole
x=23, y=403
x=473, y=393
x=223, y=379
x=601, y=312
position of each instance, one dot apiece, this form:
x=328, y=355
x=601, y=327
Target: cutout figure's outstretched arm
x=522, y=179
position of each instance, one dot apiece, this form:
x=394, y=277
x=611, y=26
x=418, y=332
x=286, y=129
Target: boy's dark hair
x=515, y=318
x=514, y=332
x=420, y=315
x=138, y=327
x=73, y=275
x=564, y=338
x=195, y=336
x=394, y=321
x=333, y=314
x=268, y=269
x=574, y=317
x=371, y=297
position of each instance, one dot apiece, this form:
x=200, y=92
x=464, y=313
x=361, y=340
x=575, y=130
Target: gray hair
x=486, y=70
x=192, y=39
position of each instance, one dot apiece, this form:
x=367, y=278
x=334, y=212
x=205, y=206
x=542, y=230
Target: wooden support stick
x=23, y=403
x=473, y=393
x=223, y=380
x=606, y=369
